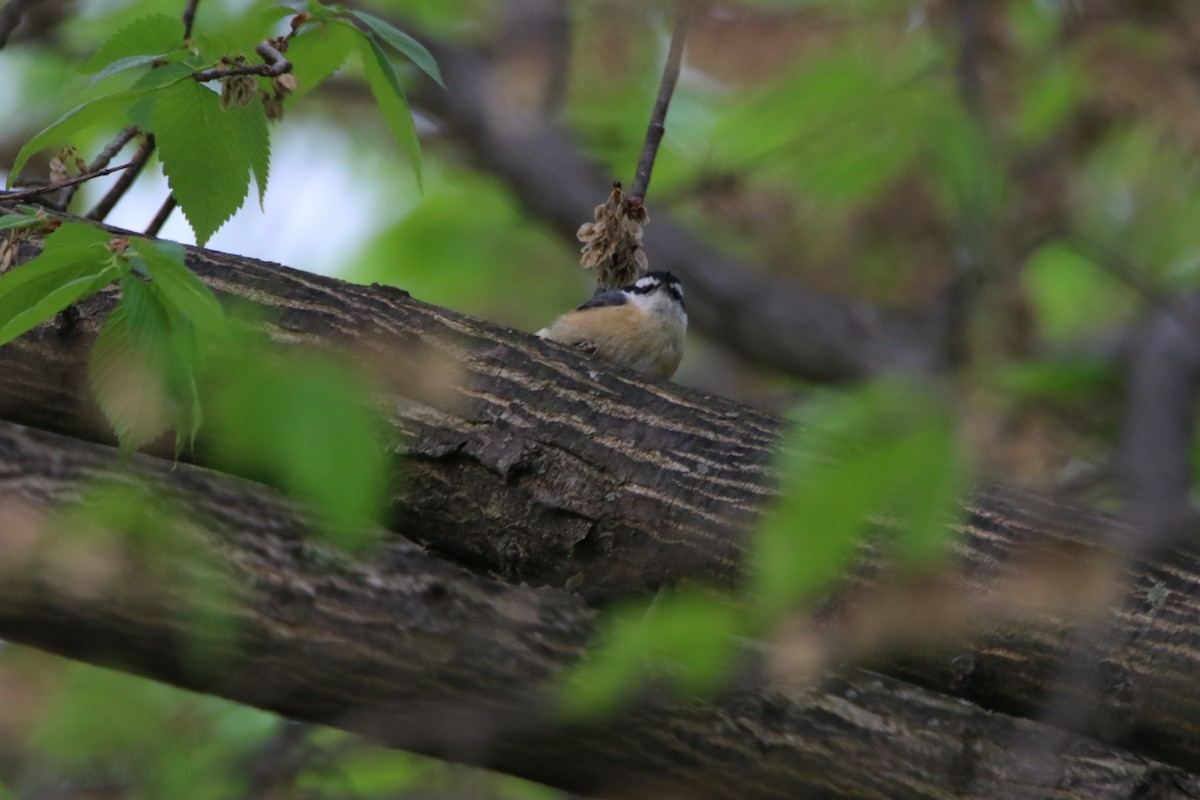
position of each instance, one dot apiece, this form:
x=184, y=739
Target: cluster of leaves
x=210, y=149
x=167, y=357
x=888, y=450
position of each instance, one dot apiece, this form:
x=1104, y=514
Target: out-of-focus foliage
x=836, y=144
x=80, y=728
x=882, y=461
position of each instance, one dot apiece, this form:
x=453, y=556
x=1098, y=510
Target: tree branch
x=275, y=66
x=658, y=117
x=426, y=657
x=121, y=186
x=543, y=467
x=25, y=194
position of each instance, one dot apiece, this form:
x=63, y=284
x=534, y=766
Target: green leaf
x=317, y=52
x=203, y=154
x=124, y=64
x=258, y=406
x=896, y=456
x=403, y=43
x=256, y=137
x=685, y=638
x=78, y=119
x=11, y=221
x=389, y=94
x=126, y=385
x=75, y=263
x=176, y=286
x=1072, y=294
x=155, y=33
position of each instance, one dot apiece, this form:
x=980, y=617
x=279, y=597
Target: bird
x=640, y=326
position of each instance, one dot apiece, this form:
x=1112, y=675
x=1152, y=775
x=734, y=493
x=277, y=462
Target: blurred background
x=989, y=194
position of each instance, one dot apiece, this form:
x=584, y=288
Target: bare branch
x=106, y=204
x=658, y=117
x=10, y=17
x=101, y=161
x=160, y=219
x=189, y=17
x=25, y=194
x=275, y=66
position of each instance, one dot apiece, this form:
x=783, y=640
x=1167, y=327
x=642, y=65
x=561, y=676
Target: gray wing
x=610, y=298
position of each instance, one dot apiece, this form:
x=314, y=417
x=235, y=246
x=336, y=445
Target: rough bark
x=430, y=658
x=538, y=465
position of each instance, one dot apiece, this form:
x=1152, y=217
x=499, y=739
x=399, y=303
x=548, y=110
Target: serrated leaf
x=205, y=160
x=403, y=43
x=317, y=52
x=177, y=286
x=155, y=33
x=389, y=94
x=74, y=264
x=256, y=137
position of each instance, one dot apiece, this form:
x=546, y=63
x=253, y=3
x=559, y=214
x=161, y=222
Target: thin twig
x=658, y=117
x=102, y=209
x=189, y=18
x=276, y=65
x=10, y=17
x=100, y=162
x=160, y=218
x=25, y=194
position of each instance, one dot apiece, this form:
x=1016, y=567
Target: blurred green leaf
x=1071, y=294
x=1063, y=381
x=401, y=42
x=127, y=385
x=685, y=638
x=75, y=263
x=445, y=256
x=1138, y=199
x=888, y=450
x=302, y=424
x=176, y=285
x=1048, y=99
x=389, y=95
x=11, y=221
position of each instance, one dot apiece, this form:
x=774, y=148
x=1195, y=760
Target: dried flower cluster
x=613, y=243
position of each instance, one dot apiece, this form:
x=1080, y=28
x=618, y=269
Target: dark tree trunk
x=537, y=466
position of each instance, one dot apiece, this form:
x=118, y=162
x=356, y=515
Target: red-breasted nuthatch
x=640, y=326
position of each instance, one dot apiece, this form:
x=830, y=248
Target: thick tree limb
x=538, y=465
x=427, y=657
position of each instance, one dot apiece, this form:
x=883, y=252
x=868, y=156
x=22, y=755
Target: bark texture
x=430, y=658
x=532, y=464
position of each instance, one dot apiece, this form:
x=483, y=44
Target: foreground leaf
x=75, y=263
